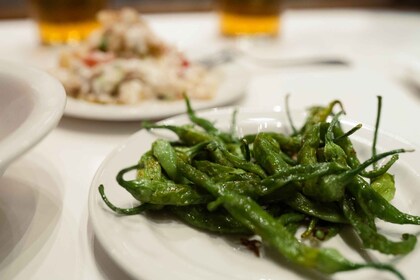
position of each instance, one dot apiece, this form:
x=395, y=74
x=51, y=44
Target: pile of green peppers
x=271, y=184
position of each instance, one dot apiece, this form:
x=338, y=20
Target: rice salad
x=124, y=62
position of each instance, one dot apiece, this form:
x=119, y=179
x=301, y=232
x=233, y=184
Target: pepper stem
x=348, y=133
x=374, y=159
x=122, y=211
x=382, y=266
x=289, y=117
x=375, y=134
x=120, y=176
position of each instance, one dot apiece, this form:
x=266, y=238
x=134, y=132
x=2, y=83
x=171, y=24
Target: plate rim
x=49, y=99
x=82, y=109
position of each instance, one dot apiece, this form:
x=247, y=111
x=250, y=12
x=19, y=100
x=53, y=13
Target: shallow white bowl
x=31, y=104
x=152, y=247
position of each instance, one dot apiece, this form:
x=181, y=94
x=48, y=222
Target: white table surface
x=45, y=231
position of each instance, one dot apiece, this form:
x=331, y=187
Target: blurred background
x=17, y=8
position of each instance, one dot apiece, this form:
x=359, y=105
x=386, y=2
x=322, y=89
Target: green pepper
x=127, y=211
x=332, y=151
x=373, y=202
x=384, y=185
x=186, y=133
x=149, y=167
x=164, y=192
x=325, y=211
x=372, y=239
x=308, y=155
x=207, y=125
x=219, y=221
x=166, y=158
x=289, y=144
x=237, y=161
x=319, y=114
x=223, y=173
x=331, y=187
x=267, y=154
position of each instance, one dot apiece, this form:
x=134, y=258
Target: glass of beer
x=250, y=17
x=65, y=21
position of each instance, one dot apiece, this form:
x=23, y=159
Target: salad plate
x=125, y=71
x=230, y=88
x=156, y=247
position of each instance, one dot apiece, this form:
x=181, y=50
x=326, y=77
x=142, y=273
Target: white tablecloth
x=44, y=221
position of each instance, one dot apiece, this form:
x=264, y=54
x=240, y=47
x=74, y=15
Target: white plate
x=31, y=104
x=149, y=248
x=231, y=88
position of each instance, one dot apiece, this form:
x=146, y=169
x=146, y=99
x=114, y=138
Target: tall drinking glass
x=64, y=21
x=250, y=17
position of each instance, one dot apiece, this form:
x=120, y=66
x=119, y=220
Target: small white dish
x=31, y=104
x=149, y=248
x=231, y=88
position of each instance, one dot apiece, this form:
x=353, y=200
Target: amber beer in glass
x=65, y=21
x=249, y=17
